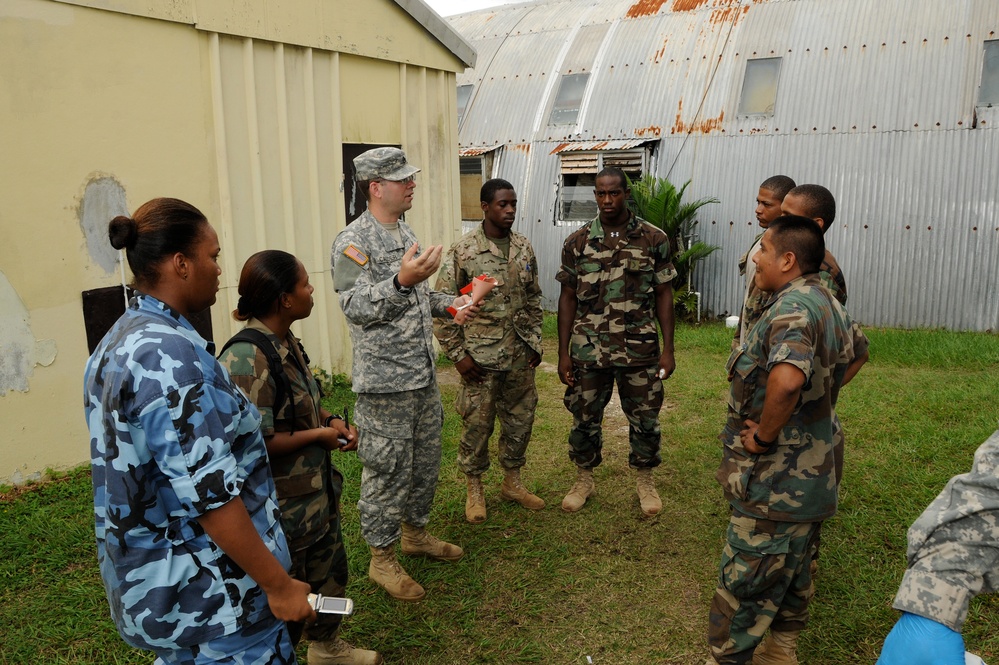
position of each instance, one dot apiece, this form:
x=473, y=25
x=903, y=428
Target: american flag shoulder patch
x=356, y=255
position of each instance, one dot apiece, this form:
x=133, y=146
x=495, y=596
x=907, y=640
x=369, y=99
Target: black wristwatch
x=403, y=290
x=760, y=442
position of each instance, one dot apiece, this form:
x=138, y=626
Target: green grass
x=548, y=587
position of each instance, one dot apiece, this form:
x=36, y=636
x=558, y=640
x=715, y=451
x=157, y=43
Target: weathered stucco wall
x=106, y=104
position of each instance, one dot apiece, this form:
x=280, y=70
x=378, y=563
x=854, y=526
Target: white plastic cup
x=732, y=322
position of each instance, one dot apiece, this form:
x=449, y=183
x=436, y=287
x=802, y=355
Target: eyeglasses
x=404, y=181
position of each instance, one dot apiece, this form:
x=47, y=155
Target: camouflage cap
x=384, y=164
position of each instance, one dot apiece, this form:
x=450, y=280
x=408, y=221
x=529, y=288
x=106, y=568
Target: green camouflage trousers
x=510, y=395
x=399, y=444
x=323, y=565
x=764, y=582
x=641, y=393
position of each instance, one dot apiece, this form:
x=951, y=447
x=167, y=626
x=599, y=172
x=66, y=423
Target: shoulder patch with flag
x=356, y=255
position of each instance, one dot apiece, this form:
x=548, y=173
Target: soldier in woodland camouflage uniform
x=497, y=352
x=380, y=277
x=953, y=557
x=768, y=200
x=274, y=292
x=188, y=535
x=817, y=204
x=778, y=468
x=616, y=279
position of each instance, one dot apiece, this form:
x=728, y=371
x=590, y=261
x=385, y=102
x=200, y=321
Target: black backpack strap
x=308, y=373
x=282, y=384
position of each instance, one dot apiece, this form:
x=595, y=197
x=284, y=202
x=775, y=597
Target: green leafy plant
x=660, y=203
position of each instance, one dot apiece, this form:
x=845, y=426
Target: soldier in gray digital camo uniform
x=778, y=463
x=953, y=557
x=497, y=353
x=189, y=542
x=616, y=278
x=274, y=292
x=380, y=276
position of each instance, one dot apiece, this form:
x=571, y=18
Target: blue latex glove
x=916, y=640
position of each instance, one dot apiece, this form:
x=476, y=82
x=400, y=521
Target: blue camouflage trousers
x=399, y=444
x=263, y=643
x=641, y=393
x=764, y=582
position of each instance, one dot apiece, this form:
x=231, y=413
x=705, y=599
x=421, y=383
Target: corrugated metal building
x=249, y=109
x=892, y=105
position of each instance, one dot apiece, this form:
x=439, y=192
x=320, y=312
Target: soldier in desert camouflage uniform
x=497, y=353
x=616, y=278
x=188, y=539
x=380, y=276
x=274, y=292
x=953, y=557
x=778, y=467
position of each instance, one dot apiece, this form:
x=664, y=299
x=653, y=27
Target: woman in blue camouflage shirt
x=189, y=543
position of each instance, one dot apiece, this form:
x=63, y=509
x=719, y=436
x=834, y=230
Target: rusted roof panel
x=476, y=152
x=570, y=146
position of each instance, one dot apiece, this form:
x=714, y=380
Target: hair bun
x=241, y=313
x=123, y=232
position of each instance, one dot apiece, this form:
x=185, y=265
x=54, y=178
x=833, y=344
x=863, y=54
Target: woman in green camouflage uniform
x=274, y=292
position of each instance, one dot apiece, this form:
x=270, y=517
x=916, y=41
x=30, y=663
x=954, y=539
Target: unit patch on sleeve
x=356, y=255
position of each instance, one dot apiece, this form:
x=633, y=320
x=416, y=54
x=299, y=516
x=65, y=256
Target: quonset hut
x=892, y=105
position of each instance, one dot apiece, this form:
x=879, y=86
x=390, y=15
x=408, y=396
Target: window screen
x=569, y=99
x=759, y=88
x=464, y=94
x=988, y=94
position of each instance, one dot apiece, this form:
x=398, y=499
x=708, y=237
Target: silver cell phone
x=331, y=604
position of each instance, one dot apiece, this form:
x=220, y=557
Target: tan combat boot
x=648, y=497
x=581, y=490
x=338, y=652
x=475, y=502
x=417, y=542
x=386, y=572
x=778, y=648
x=513, y=490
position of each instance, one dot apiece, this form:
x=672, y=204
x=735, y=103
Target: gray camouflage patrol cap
x=384, y=164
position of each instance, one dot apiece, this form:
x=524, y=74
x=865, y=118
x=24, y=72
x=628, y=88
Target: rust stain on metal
x=687, y=5
x=646, y=8
x=652, y=7
x=729, y=14
x=661, y=52
x=559, y=148
x=652, y=130
x=521, y=147
x=705, y=126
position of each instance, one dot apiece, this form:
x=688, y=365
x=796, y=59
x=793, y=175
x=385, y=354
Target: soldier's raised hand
x=416, y=269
